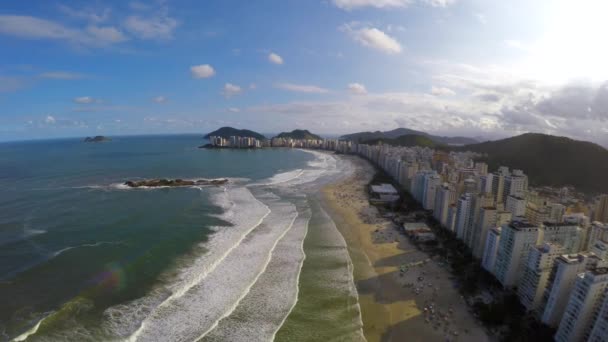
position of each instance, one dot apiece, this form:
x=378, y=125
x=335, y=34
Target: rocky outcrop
x=155, y=183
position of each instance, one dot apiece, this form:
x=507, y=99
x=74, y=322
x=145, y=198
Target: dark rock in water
x=155, y=183
x=99, y=138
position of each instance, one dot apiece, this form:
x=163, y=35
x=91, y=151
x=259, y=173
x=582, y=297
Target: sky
x=477, y=68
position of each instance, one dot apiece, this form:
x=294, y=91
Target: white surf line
x=202, y=276
x=281, y=181
x=31, y=331
x=297, y=283
x=268, y=258
x=351, y=269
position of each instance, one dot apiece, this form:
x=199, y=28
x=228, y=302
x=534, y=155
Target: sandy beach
x=403, y=294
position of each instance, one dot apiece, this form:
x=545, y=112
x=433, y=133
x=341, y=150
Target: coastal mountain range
x=399, y=132
x=549, y=160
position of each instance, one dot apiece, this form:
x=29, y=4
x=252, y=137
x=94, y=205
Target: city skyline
x=448, y=67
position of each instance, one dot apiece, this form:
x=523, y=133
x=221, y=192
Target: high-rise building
x=597, y=231
x=485, y=183
x=443, y=198
x=601, y=209
x=516, y=239
x=561, y=281
x=536, y=274
x=481, y=168
x=498, y=187
x=516, y=205
x=556, y=212
x=565, y=234
x=599, y=333
x=516, y=184
x=463, y=215
x=488, y=261
x=486, y=220
x=431, y=182
x=585, y=299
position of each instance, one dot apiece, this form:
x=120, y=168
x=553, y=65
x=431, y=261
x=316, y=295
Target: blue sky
x=455, y=67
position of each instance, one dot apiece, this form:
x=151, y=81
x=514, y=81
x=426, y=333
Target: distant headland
x=96, y=139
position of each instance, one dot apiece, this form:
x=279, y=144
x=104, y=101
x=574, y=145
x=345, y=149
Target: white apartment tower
x=515, y=242
x=585, y=299
x=491, y=249
x=486, y=220
x=561, y=281
x=599, y=333
x=516, y=205
x=536, y=274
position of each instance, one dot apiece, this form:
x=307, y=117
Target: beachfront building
x=431, y=183
x=599, y=333
x=464, y=218
x=384, y=193
x=561, y=281
x=488, y=261
x=515, y=242
x=443, y=199
x=536, y=274
x=486, y=220
x=585, y=299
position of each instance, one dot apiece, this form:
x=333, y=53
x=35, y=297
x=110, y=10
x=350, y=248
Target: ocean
x=84, y=258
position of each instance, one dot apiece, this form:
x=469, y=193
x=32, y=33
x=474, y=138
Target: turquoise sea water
x=84, y=258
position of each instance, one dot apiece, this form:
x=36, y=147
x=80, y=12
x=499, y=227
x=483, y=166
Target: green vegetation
x=408, y=141
x=396, y=133
x=227, y=132
x=299, y=134
x=550, y=160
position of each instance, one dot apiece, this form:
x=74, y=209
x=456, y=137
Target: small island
x=96, y=139
x=155, y=183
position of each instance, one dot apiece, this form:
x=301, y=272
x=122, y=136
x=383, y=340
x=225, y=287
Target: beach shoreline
x=395, y=305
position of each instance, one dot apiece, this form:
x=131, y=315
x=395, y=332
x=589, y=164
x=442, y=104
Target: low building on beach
x=383, y=193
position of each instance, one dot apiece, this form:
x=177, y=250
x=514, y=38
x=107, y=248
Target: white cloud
x=106, y=34
x=301, y=88
x=353, y=4
x=160, y=99
x=357, y=88
x=481, y=18
x=234, y=110
x=231, y=90
x=373, y=38
x=28, y=27
x=440, y=3
x=50, y=119
x=202, y=71
x=515, y=44
x=159, y=25
x=253, y=86
x=86, y=100
x=87, y=14
x=275, y=59
x=442, y=91
x=61, y=75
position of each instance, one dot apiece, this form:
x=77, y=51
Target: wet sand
x=396, y=304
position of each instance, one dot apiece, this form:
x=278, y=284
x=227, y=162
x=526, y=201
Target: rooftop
x=384, y=188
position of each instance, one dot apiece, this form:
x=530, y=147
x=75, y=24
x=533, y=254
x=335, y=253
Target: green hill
x=550, y=160
x=408, y=140
x=227, y=132
x=300, y=134
x=396, y=133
